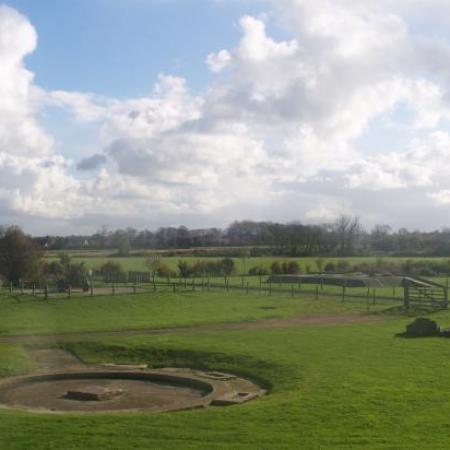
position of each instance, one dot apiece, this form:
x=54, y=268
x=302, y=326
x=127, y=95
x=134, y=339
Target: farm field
x=334, y=384
x=138, y=263
x=94, y=260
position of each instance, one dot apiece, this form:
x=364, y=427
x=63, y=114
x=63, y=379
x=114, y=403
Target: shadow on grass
x=259, y=371
x=412, y=311
x=404, y=335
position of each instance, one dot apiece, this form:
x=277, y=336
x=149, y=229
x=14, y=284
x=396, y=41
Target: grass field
x=95, y=259
x=333, y=386
x=26, y=315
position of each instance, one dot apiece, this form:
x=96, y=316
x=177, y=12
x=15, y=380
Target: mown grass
x=28, y=315
x=333, y=387
x=14, y=360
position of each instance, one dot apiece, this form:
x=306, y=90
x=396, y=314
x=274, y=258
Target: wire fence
x=369, y=295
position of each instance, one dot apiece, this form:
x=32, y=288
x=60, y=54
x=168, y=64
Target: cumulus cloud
x=282, y=114
x=33, y=177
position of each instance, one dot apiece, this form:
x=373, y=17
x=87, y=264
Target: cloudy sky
x=164, y=112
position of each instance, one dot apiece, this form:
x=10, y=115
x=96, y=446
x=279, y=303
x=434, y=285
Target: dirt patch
x=54, y=359
x=166, y=389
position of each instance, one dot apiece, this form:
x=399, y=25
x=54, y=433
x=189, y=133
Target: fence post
x=134, y=288
x=393, y=292
x=46, y=292
x=34, y=289
x=174, y=287
x=113, y=289
x=247, y=287
x=21, y=287
x=343, y=292
x=92, y=290
x=154, y=285
x=374, y=296
x=292, y=291
x=406, y=295
x=270, y=287
x=10, y=287
x=69, y=292
x=317, y=292
x=193, y=284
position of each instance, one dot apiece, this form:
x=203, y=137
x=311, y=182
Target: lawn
x=27, y=315
x=338, y=387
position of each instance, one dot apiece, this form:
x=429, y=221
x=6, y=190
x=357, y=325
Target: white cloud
x=285, y=113
x=441, y=197
x=218, y=61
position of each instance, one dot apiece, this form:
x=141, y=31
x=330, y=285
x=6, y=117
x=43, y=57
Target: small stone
x=93, y=394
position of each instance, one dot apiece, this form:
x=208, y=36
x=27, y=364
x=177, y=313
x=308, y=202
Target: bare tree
x=347, y=229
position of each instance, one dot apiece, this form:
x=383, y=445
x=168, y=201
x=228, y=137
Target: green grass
x=332, y=387
x=137, y=263
x=14, y=360
x=26, y=315
x=335, y=387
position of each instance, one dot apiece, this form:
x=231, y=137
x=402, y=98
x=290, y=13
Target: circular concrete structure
x=97, y=390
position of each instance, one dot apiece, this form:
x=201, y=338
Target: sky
x=151, y=113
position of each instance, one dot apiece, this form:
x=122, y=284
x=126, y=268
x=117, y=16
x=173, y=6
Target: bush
x=163, y=270
x=290, y=268
x=222, y=267
x=68, y=274
x=184, y=269
x=112, y=272
x=343, y=266
x=228, y=266
x=330, y=267
x=276, y=268
x=258, y=271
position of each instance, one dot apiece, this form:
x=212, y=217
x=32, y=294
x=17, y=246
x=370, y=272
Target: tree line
x=343, y=237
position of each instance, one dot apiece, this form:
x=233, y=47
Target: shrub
x=343, y=266
x=163, y=270
x=258, y=270
x=291, y=268
x=112, y=272
x=184, y=269
x=276, y=268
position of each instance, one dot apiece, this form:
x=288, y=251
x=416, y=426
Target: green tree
x=227, y=266
x=19, y=255
x=112, y=272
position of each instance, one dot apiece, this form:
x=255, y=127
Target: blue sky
x=118, y=47
x=151, y=113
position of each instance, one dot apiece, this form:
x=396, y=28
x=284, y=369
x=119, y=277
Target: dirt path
x=260, y=324
x=55, y=359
